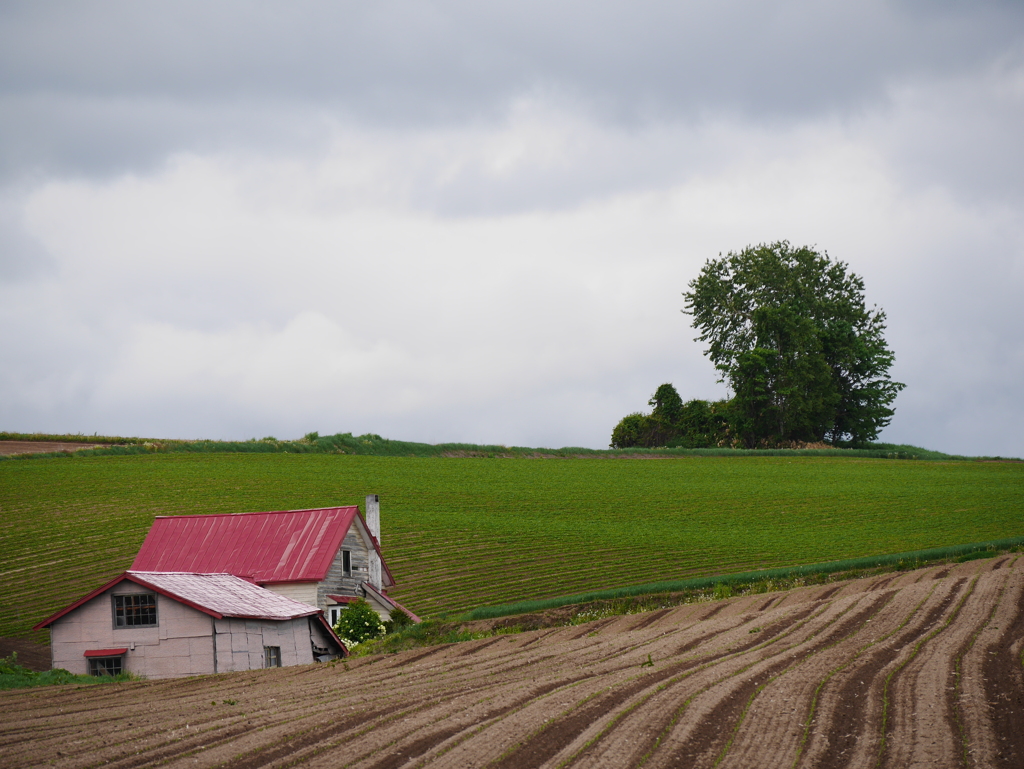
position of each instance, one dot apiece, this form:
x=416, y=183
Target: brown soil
x=797, y=682
x=30, y=655
x=38, y=447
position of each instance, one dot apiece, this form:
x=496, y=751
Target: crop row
x=463, y=532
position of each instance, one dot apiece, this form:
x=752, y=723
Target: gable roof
x=219, y=595
x=283, y=546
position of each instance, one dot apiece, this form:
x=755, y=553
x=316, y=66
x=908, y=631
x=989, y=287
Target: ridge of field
x=921, y=668
x=460, y=533
x=372, y=444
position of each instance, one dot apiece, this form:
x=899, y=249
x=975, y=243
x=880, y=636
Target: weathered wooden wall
x=336, y=582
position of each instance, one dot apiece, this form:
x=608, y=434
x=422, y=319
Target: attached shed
x=169, y=624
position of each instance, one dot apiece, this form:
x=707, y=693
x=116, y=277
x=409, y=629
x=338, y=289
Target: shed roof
x=224, y=594
x=283, y=546
x=219, y=595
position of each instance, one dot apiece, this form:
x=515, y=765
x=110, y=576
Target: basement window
x=105, y=666
x=135, y=610
x=346, y=562
x=271, y=656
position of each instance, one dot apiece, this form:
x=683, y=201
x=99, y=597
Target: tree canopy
x=789, y=332
x=695, y=424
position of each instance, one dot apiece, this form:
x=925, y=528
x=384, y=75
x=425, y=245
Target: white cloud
x=513, y=277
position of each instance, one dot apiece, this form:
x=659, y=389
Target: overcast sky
x=464, y=221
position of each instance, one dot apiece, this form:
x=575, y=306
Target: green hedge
x=910, y=559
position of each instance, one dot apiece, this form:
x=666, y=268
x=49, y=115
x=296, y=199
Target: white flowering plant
x=358, y=623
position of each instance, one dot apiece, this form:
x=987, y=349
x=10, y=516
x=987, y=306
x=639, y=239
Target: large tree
x=789, y=332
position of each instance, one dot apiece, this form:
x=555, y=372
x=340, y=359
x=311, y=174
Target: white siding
x=240, y=642
x=298, y=591
x=182, y=644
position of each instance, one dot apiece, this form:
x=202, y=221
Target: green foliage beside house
x=358, y=623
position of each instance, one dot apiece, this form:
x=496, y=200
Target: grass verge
x=15, y=676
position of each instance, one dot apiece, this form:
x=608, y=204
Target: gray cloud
x=22, y=257
x=457, y=221
x=94, y=86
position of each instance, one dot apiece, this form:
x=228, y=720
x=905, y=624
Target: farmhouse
x=164, y=625
x=212, y=593
x=326, y=557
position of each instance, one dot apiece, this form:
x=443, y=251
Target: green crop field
x=459, y=533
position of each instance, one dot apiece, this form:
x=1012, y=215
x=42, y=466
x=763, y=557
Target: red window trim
x=106, y=652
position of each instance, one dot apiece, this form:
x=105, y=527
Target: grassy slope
x=461, y=533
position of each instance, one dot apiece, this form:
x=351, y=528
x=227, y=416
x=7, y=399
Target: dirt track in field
x=38, y=447
x=915, y=669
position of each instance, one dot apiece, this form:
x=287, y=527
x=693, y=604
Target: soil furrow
x=955, y=701
x=713, y=732
x=850, y=719
x=662, y=724
x=820, y=686
x=826, y=594
x=753, y=725
x=802, y=683
x=921, y=718
x=619, y=651
x=891, y=704
x=1004, y=691
x=413, y=750
x=543, y=746
x=649, y=618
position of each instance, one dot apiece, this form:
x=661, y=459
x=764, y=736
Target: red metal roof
x=284, y=546
x=106, y=652
x=343, y=598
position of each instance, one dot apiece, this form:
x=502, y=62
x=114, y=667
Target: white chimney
x=373, y=524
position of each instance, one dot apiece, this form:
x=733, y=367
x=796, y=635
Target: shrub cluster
x=360, y=623
x=15, y=676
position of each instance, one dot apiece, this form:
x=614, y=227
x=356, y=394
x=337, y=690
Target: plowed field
x=913, y=669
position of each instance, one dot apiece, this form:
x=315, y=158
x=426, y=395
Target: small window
x=105, y=666
x=135, y=610
x=346, y=562
x=271, y=656
x=334, y=617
